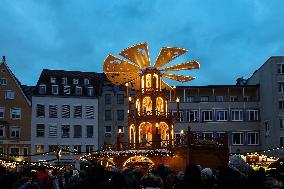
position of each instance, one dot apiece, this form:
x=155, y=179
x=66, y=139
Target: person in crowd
x=192, y=178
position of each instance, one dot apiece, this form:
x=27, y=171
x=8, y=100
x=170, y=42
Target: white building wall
x=59, y=121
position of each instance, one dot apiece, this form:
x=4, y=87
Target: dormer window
x=75, y=81
x=67, y=89
x=64, y=80
x=52, y=80
x=90, y=91
x=86, y=81
x=42, y=89
x=78, y=90
x=54, y=89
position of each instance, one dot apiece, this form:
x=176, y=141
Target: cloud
x=238, y=36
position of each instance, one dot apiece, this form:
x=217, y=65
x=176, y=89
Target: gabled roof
x=18, y=83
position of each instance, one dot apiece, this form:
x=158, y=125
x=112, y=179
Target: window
x=39, y=149
x=204, y=99
x=253, y=138
x=247, y=98
x=89, y=112
x=52, y=148
x=2, y=131
x=207, y=115
x=15, y=132
x=40, y=111
x=107, y=115
x=42, y=89
x=2, y=112
x=75, y=81
x=120, y=129
x=3, y=81
x=52, y=131
x=77, y=111
x=77, y=131
x=107, y=129
x=78, y=90
x=281, y=87
x=65, y=149
x=221, y=115
x=25, y=151
x=77, y=149
x=64, y=80
x=10, y=94
x=15, y=113
x=15, y=151
x=237, y=138
x=52, y=80
x=65, y=131
x=120, y=115
x=90, y=91
x=89, y=148
x=107, y=98
x=252, y=115
x=281, y=141
x=39, y=130
x=192, y=116
x=67, y=89
x=54, y=89
x=90, y=131
x=220, y=134
x=86, y=81
x=237, y=115
x=281, y=120
x=281, y=104
x=65, y=111
x=207, y=135
x=233, y=98
x=219, y=98
x=53, y=111
x=120, y=99
x=280, y=68
x=190, y=99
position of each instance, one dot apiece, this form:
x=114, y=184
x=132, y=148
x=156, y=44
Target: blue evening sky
x=230, y=38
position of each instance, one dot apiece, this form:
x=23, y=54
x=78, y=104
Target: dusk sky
x=230, y=38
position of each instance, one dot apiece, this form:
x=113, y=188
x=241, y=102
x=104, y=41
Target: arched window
x=137, y=105
x=159, y=104
x=147, y=104
x=148, y=81
x=155, y=82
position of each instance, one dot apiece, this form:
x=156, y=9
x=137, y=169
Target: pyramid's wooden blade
x=168, y=54
x=138, y=54
x=183, y=66
x=180, y=78
x=135, y=84
x=114, y=64
x=165, y=85
x=119, y=78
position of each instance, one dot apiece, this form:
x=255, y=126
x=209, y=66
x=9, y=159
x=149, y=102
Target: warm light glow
x=129, y=98
x=174, y=87
x=157, y=125
x=119, y=131
x=177, y=100
x=126, y=84
x=181, y=132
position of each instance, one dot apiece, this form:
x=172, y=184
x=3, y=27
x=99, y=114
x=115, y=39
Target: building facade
x=211, y=111
x=15, y=117
x=270, y=78
x=113, y=115
x=65, y=114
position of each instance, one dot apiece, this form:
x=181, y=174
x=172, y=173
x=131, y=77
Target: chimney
x=3, y=59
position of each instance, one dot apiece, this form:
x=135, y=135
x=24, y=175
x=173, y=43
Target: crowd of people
x=234, y=175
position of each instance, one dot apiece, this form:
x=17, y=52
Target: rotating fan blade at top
x=183, y=66
x=134, y=84
x=137, y=54
x=119, y=71
x=168, y=54
x=180, y=78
